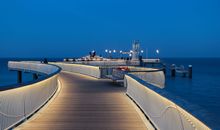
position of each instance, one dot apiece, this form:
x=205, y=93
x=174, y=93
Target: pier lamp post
x=120, y=54
x=142, y=51
x=114, y=51
x=141, y=56
x=110, y=54
x=130, y=55
x=106, y=51
x=158, y=52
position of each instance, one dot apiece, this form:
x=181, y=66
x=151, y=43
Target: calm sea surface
x=203, y=91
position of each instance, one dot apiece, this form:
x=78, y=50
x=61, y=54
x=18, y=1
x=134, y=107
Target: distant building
x=135, y=50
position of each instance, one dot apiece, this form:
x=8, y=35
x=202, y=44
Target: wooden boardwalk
x=86, y=103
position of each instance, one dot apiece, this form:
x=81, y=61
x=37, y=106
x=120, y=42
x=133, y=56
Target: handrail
x=153, y=76
x=148, y=98
x=89, y=70
x=12, y=86
x=19, y=102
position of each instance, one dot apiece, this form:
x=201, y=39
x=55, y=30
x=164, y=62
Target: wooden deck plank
x=86, y=103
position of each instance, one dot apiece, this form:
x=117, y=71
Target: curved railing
x=111, y=63
x=89, y=70
x=19, y=102
x=162, y=112
x=153, y=76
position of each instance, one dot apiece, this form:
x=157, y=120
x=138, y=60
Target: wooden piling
x=190, y=71
x=173, y=70
x=164, y=69
x=35, y=76
x=19, y=80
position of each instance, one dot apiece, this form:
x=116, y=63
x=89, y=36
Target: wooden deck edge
x=35, y=115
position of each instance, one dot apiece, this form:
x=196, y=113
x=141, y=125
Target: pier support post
x=173, y=70
x=164, y=69
x=152, y=64
x=35, y=76
x=19, y=77
x=190, y=71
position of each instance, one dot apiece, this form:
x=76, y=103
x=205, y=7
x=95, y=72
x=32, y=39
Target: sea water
x=203, y=90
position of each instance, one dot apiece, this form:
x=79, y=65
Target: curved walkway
x=86, y=103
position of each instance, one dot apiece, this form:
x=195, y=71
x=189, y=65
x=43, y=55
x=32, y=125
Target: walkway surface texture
x=85, y=103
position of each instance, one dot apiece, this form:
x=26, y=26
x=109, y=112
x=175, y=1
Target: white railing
x=93, y=71
x=156, y=78
x=112, y=62
x=33, y=66
x=163, y=113
x=106, y=63
x=17, y=104
x=151, y=60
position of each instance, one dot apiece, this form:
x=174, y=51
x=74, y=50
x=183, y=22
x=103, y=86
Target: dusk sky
x=68, y=28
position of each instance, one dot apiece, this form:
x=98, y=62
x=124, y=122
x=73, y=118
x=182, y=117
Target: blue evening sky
x=68, y=28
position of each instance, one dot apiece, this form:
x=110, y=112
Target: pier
x=79, y=98
x=87, y=103
x=181, y=70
